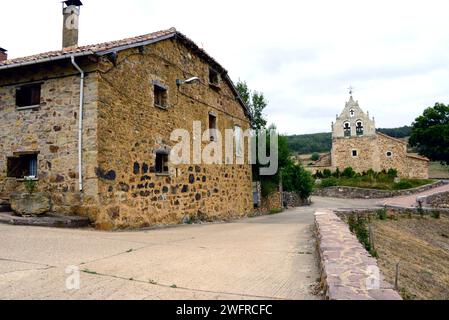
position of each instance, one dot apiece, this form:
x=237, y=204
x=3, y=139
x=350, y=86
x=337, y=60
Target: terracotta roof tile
x=95, y=48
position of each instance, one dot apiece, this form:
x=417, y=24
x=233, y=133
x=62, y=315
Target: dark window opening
x=160, y=96
x=347, y=130
x=212, y=127
x=354, y=153
x=29, y=95
x=22, y=166
x=359, y=128
x=213, y=77
x=161, y=163
x=389, y=154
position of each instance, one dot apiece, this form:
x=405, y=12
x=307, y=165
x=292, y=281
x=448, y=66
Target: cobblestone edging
x=360, y=193
x=348, y=272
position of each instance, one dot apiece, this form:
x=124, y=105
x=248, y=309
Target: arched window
x=359, y=128
x=347, y=129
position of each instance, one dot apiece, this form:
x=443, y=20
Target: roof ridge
x=96, y=47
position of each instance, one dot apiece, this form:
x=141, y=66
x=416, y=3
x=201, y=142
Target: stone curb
x=360, y=193
x=348, y=272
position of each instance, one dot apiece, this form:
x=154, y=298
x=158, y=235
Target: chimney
x=3, y=55
x=71, y=13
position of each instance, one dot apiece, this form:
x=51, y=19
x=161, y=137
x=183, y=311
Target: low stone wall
x=270, y=203
x=293, y=200
x=360, y=193
x=436, y=200
x=348, y=272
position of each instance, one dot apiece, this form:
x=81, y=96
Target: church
x=356, y=144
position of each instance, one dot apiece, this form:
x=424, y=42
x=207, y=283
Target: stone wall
x=348, y=272
x=131, y=130
x=271, y=203
x=51, y=130
x=366, y=147
x=293, y=200
x=360, y=193
x=437, y=200
x=378, y=152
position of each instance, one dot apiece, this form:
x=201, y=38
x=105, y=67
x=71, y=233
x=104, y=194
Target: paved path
x=410, y=201
x=270, y=257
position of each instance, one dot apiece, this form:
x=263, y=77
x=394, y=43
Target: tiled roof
x=91, y=49
x=103, y=48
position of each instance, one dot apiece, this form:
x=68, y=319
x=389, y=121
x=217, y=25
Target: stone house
x=93, y=125
x=356, y=144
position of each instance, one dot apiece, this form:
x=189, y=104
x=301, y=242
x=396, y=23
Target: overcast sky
x=302, y=54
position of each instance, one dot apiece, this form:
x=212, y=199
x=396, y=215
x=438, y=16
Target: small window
x=238, y=141
x=389, y=154
x=22, y=166
x=351, y=113
x=213, y=127
x=160, y=96
x=213, y=77
x=354, y=153
x=29, y=95
x=161, y=162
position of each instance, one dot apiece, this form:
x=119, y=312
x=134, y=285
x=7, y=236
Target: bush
x=268, y=187
x=337, y=173
x=329, y=182
x=348, y=173
x=401, y=185
x=327, y=173
x=318, y=175
x=435, y=214
x=392, y=173
x=382, y=214
x=296, y=179
x=315, y=157
x=30, y=185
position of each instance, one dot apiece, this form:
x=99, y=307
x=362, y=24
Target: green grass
x=438, y=171
x=380, y=183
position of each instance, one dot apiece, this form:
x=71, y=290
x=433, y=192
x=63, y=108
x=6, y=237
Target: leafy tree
x=296, y=179
x=430, y=133
x=315, y=157
x=256, y=103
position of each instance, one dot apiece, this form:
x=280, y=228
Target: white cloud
x=301, y=54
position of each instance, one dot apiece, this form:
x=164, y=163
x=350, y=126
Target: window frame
x=160, y=89
x=356, y=153
x=213, y=137
x=23, y=164
x=214, y=77
x=33, y=104
x=389, y=152
x=159, y=169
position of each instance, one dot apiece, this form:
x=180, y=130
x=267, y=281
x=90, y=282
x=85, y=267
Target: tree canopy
x=430, y=133
x=256, y=103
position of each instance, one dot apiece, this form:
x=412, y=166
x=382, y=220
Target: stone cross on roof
x=351, y=90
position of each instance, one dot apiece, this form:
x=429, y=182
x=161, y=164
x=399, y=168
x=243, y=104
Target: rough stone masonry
x=124, y=129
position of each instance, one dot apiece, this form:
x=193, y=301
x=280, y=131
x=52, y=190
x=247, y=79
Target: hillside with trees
x=322, y=142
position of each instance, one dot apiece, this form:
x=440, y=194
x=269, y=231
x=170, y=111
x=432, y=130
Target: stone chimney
x=71, y=13
x=3, y=55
